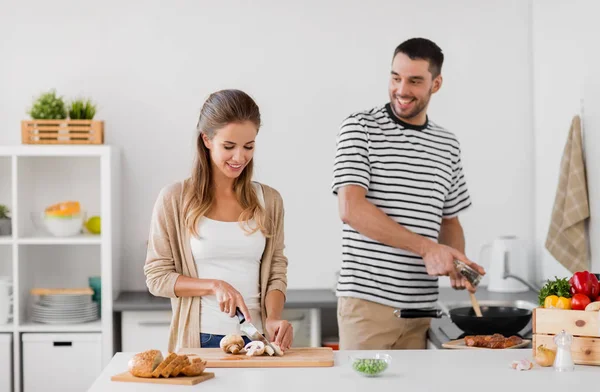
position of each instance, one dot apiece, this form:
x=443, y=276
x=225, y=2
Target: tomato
x=580, y=301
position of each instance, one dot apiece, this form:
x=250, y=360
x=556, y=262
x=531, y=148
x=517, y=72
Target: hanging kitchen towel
x=566, y=239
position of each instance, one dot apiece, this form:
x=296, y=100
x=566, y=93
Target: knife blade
x=251, y=332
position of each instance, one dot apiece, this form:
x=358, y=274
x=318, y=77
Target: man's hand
x=439, y=261
x=280, y=332
x=459, y=282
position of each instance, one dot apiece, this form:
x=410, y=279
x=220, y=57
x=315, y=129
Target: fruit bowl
x=59, y=226
x=370, y=364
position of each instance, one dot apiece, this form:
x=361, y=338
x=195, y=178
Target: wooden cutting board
x=460, y=344
x=128, y=377
x=294, y=357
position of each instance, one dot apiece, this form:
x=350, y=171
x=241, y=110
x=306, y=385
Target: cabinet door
x=6, y=372
x=145, y=330
x=61, y=362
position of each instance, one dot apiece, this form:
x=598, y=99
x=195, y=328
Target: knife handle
x=240, y=315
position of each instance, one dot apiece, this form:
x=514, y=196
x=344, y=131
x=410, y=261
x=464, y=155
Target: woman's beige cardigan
x=169, y=256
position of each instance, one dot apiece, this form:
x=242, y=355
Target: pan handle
x=418, y=313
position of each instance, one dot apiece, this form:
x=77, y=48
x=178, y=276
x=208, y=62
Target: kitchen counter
x=321, y=305
x=324, y=304
x=410, y=370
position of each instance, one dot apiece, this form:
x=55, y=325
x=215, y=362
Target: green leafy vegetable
x=558, y=286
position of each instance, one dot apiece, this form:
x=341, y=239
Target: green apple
x=94, y=224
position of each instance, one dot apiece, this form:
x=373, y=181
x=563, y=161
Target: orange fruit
x=66, y=208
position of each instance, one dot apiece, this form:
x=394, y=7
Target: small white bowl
x=370, y=364
x=60, y=226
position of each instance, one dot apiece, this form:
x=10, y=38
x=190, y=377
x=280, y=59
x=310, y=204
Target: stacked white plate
x=65, y=309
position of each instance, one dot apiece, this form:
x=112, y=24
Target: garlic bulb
x=522, y=364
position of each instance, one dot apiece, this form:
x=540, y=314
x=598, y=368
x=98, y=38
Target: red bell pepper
x=585, y=283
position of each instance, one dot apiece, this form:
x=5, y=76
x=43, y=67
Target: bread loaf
x=157, y=372
x=152, y=364
x=144, y=363
x=170, y=368
x=183, y=363
x=195, y=369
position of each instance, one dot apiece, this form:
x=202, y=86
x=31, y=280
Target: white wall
x=151, y=64
x=566, y=83
x=591, y=137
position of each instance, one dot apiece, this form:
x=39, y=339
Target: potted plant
x=5, y=223
x=82, y=110
x=48, y=107
x=50, y=125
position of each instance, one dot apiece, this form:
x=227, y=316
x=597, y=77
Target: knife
x=251, y=332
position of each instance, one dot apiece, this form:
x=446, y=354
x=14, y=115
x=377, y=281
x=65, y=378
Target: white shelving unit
x=32, y=178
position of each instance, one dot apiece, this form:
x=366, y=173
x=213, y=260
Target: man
x=400, y=187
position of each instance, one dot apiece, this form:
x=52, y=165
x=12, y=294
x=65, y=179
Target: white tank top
x=226, y=252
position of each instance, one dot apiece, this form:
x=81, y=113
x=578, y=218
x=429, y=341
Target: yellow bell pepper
x=555, y=302
x=550, y=301
x=563, y=303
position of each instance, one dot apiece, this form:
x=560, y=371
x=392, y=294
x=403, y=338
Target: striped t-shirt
x=412, y=173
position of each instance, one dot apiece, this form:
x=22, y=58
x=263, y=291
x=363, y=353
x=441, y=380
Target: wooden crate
x=62, y=132
x=584, y=326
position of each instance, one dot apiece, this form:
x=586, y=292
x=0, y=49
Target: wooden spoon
x=475, y=304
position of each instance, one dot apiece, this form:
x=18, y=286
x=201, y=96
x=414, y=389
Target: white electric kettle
x=507, y=252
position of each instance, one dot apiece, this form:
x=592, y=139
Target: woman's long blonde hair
x=222, y=108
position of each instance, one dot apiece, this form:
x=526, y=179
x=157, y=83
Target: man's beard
x=418, y=108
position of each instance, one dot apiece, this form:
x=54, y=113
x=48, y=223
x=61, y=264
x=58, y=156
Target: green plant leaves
x=82, y=110
x=48, y=107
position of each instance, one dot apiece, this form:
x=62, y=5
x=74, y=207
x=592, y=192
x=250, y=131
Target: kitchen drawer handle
x=154, y=323
x=64, y=344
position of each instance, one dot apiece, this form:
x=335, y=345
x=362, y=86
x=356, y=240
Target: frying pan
x=505, y=320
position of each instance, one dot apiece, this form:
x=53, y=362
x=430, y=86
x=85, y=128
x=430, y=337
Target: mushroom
x=277, y=351
x=255, y=348
x=232, y=344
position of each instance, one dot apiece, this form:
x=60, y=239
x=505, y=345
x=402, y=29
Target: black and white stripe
x=413, y=174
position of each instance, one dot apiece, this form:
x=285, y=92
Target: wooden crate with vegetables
x=573, y=306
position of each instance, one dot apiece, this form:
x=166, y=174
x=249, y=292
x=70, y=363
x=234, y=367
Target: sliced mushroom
x=232, y=344
x=255, y=348
x=278, y=352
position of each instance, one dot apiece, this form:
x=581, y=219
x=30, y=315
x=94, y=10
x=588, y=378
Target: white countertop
x=411, y=370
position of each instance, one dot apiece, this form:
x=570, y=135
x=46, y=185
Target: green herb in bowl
x=370, y=364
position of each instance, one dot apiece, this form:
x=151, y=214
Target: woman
x=216, y=239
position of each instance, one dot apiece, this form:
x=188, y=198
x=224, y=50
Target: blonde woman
x=216, y=239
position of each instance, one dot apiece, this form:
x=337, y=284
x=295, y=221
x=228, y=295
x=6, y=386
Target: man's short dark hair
x=423, y=49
